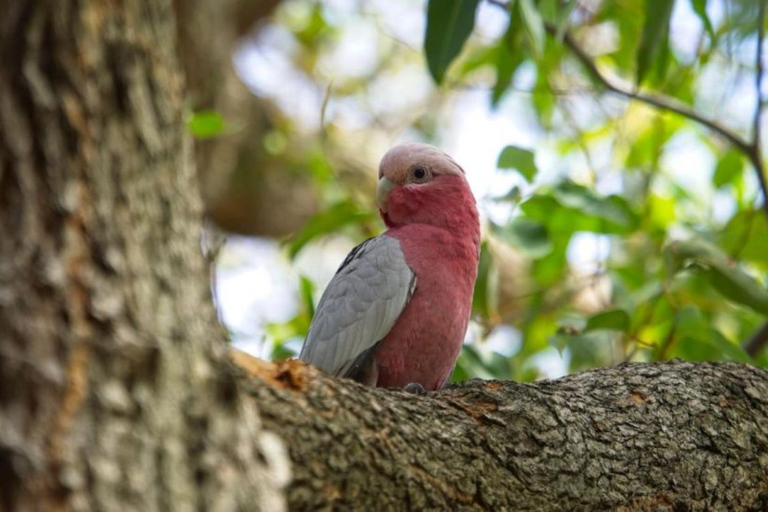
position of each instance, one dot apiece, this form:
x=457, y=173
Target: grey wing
x=360, y=306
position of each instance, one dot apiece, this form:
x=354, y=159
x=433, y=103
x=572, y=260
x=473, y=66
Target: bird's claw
x=415, y=388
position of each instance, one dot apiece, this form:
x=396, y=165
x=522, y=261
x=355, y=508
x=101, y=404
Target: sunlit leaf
x=449, y=24
x=297, y=327
x=728, y=169
x=661, y=211
x=306, y=290
x=513, y=157
x=655, y=36
x=206, y=124
x=613, y=320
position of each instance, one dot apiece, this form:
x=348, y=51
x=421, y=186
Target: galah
x=396, y=312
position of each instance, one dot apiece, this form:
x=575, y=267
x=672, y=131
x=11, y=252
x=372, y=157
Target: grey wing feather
x=361, y=304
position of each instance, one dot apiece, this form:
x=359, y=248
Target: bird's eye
x=419, y=174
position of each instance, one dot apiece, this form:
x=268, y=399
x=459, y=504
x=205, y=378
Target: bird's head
x=419, y=184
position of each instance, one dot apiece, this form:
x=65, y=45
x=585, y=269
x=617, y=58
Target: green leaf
x=729, y=167
x=569, y=208
x=534, y=25
x=306, y=290
x=484, y=299
x=655, y=36
x=526, y=234
x=697, y=340
x=449, y=24
x=474, y=362
x=297, y=327
x=513, y=157
x=206, y=124
x=562, y=24
x=700, y=8
x=612, y=213
x=725, y=276
x=508, y=57
x=613, y=320
x=746, y=234
x=588, y=349
x=512, y=196
x=325, y=222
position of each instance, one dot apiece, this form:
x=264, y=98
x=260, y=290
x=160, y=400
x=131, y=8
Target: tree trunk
x=115, y=389
x=674, y=436
x=111, y=397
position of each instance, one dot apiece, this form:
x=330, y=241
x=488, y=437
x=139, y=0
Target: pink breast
x=426, y=340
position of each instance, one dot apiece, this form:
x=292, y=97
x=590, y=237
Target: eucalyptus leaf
x=449, y=24
x=655, y=36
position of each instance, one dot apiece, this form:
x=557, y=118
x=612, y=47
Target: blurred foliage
x=682, y=272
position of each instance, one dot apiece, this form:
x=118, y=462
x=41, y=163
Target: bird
x=396, y=312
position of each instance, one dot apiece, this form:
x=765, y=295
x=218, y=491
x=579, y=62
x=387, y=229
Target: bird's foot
x=415, y=388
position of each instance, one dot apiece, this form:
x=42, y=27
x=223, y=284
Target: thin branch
x=661, y=102
x=757, y=342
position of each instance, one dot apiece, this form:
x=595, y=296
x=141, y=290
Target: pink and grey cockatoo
x=396, y=312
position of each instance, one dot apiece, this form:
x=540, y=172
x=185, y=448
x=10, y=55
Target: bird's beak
x=382, y=191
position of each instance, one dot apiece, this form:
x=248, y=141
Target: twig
x=756, y=343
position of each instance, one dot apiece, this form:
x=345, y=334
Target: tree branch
x=641, y=436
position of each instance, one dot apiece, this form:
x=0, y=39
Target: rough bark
x=110, y=394
x=672, y=436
